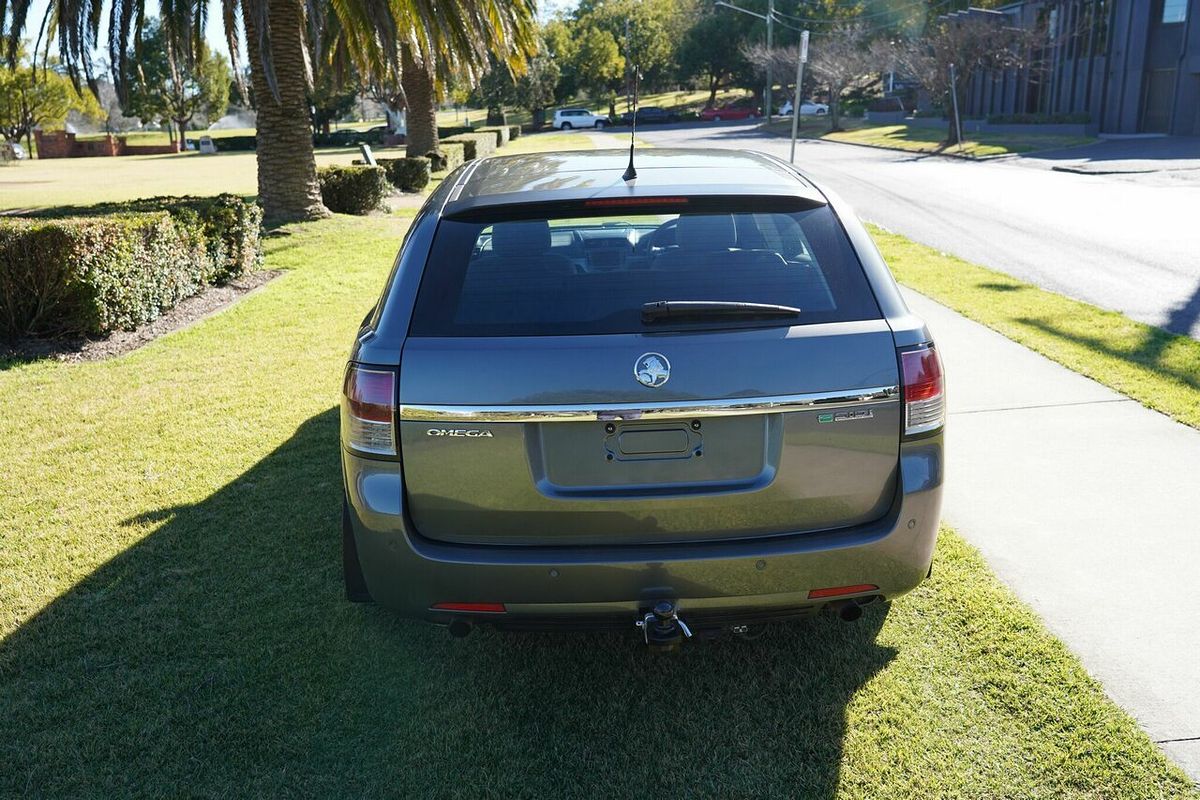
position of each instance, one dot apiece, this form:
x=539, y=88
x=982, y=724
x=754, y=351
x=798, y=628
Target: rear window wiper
x=660, y=310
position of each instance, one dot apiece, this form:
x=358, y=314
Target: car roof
x=502, y=181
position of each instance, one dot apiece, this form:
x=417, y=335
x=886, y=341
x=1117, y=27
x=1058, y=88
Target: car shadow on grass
x=217, y=656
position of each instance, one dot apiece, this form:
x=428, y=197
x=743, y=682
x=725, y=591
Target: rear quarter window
x=592, y=275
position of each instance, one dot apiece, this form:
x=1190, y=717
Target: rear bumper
x=575, y=586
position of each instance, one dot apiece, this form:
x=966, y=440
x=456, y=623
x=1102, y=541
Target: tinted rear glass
x=593, y=275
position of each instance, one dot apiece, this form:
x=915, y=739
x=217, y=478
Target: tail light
x=924, y=390
x=369, y=410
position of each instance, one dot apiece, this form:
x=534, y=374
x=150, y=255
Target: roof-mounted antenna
x=630, y=171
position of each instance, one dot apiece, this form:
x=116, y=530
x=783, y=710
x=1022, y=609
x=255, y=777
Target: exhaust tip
x=459, y=628
x=849, y=611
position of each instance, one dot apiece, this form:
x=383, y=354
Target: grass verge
x=928, y=140
x=173, y=622
x=1160, y=370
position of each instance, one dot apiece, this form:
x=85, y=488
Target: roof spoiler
x=504, y=208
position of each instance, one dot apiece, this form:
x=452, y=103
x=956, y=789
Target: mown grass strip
x=914, y=139
x=1160, y=370
x=173, y=620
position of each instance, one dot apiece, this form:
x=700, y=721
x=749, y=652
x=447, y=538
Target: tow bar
x=662, y=628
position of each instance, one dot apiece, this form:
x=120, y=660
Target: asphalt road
x=1119, y=242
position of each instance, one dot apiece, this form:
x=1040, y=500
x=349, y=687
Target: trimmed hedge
x=406, y=174
x=347, y=137
x=95, y=275
x=454, y=130
x=230, y=226
x=475, y=145
x=451, y=156
x=353, y=190
x=501, y=132
x=1081, y=118
x=514, y=132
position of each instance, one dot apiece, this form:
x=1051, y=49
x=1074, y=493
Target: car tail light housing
x=369, y=410
x=924, y=390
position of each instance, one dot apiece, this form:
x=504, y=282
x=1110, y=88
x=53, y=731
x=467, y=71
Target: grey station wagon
x=682, y=404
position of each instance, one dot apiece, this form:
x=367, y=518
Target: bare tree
x=972, y=41
x=844, y=58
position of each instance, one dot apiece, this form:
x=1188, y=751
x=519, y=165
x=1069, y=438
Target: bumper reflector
x=838, y=591
x=478, y=608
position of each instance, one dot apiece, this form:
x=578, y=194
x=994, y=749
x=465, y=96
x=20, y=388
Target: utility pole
x=770, y=18
x=954, y=102
x=770, y=26
x=800, y=61
x=628, y=61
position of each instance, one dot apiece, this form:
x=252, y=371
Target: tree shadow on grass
x=218, y=657
x=1153, y=346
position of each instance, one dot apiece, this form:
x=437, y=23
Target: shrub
x=353, y=190
x=407, y=174
x=1040, y=119
x=450, y=157
x=230, y=226
x=95, y=275
x=500, y=132
x=446, y=133
x=475, y=145
x=514, y=132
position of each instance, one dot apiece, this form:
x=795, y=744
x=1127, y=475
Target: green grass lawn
x=172, y=621
x=928, y=140
x=1160, y=370
x=81, y=181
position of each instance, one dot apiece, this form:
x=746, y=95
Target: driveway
x=1163, y=161
x=1111, y=242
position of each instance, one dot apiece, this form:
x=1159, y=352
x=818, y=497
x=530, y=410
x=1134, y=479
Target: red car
x=728, y=112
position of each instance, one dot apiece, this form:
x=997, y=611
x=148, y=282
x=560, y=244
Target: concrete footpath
x=1088, y=505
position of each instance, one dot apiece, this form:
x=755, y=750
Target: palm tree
x=439, y=40
x=281, y=37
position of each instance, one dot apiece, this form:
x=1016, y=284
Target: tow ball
x=662, y=628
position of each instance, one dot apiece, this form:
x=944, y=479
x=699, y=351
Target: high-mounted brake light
x=606, y=202
x=478, y=608
x=924, y=390
x=368, y=410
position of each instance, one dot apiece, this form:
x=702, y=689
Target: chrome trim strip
x=738, y=406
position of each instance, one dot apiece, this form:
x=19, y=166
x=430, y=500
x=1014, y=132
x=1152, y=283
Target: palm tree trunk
x=287, y=171
x=417, y=80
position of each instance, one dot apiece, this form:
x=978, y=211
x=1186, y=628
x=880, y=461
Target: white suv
x=567, y=118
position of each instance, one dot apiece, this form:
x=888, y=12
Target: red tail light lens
x=369, y=410
x=477, y=608
x=924, y=390
x=841, y=591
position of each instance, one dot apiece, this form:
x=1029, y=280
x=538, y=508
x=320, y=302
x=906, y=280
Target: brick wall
x=61, y=144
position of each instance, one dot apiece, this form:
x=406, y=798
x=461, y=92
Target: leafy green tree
x=168, y=86
x=654, y=29
x=598, y=63
x=712, y=49
x=330, y=99
x=31, y=96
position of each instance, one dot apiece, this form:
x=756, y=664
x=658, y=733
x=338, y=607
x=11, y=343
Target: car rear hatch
x=546, y=400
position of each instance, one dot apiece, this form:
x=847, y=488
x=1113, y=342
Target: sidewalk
x=1088, y=506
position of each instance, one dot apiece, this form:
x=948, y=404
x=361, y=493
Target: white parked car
x=807, y=109
x=567, y=118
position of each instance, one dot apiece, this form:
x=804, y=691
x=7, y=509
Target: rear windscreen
x=593, y=275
